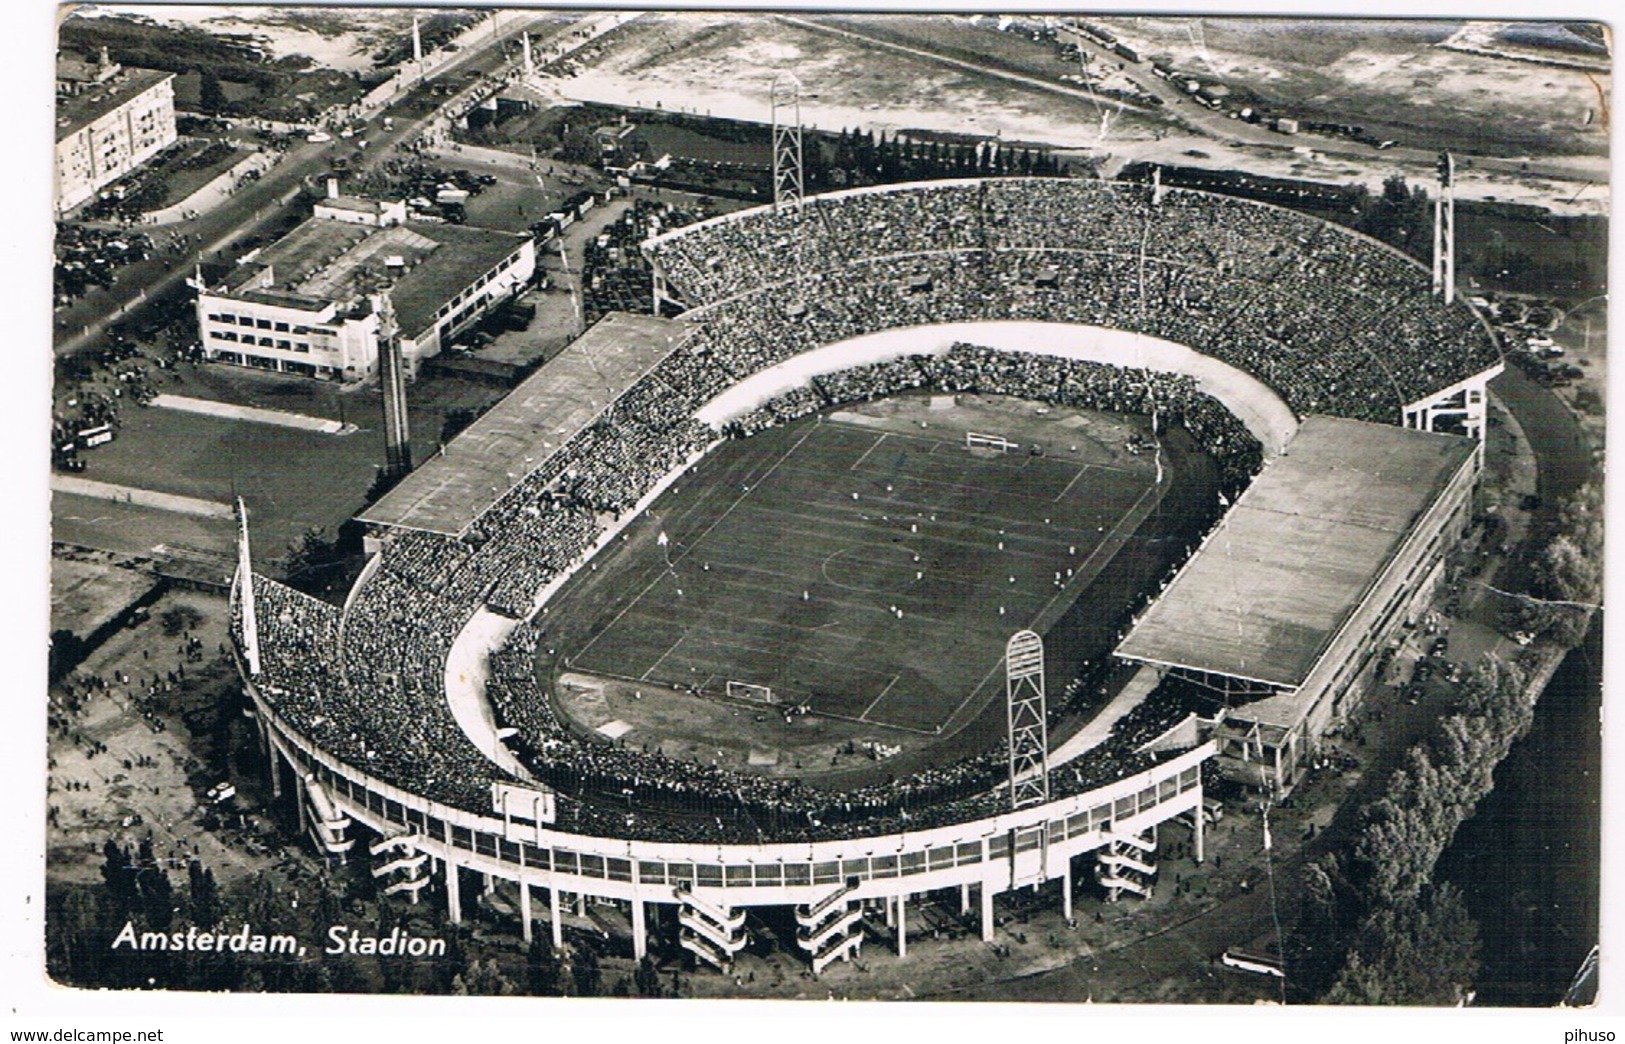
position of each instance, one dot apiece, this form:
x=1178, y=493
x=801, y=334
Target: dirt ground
x=1395, y=80
x=119, y=771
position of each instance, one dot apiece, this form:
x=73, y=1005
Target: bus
x=1257, y=963
x=96, y=436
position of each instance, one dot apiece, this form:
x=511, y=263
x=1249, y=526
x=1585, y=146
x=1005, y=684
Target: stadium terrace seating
x=1333, y=322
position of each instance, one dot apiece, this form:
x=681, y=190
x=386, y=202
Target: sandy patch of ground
x=725, y=66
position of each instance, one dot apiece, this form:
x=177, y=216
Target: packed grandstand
x=1332, y=322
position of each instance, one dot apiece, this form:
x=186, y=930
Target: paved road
x=256, y=206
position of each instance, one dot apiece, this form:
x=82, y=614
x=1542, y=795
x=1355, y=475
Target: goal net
x=980, y=440
x=739, y=690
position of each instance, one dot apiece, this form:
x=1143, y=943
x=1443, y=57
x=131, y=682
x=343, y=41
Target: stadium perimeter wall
x=997, y=853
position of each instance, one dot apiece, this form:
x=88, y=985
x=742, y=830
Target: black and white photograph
x=820, y=504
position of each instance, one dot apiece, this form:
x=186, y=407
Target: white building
x=109, y=120
x=306, y=303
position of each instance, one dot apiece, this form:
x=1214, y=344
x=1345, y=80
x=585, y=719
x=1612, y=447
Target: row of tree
x=83, y=921
x=1566, y=573
x=1400, y=938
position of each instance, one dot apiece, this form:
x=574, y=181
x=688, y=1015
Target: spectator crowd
x=1332, y=321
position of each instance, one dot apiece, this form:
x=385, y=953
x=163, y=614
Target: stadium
x=1211, y=451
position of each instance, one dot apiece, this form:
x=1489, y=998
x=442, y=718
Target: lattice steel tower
x=1029, y=734
x=1444, y=230
x=787, y=179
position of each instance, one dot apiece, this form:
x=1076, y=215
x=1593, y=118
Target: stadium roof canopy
x=1290, y=562
x=517, y=435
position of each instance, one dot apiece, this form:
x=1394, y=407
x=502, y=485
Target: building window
x=263, y=324
x=282, y=327
x=284, y=345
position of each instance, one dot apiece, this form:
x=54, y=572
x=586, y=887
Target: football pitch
x=873, y=574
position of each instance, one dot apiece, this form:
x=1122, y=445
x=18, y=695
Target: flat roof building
x=109, y=121
x=317, y=301
x=1290, y=601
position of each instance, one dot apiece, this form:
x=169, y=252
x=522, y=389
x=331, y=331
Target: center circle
x=873, y=568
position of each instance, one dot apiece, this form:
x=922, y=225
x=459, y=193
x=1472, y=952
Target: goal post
x=738, y=690
x=982, y=440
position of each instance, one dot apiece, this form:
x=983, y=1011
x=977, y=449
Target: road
x=256, y=206
x=1179, y=109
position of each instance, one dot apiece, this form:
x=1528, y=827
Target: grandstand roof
x=1291, y=561
x=450, y=490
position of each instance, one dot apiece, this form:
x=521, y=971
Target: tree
x=589, y=978
x=179, y=619
x=118, y=871
x=203, y=896
x=1417, y=951
x=647, y=978
x=211, y=96
x=544, y=970
x=1398, y=217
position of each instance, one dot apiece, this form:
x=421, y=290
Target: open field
x=763, y=520
x=723, y=65
x=919, y=75
x=1390, y=76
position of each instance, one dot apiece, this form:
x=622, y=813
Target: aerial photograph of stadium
x=819, y=504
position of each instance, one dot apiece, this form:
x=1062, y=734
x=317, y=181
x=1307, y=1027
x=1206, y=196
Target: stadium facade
x=353, y=703
x=318, y=301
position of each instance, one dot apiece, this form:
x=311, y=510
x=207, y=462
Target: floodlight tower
x=787, y=170
x=1026, y=712
x=1444, y=230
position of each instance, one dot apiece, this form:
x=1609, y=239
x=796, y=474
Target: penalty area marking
x=864, y=715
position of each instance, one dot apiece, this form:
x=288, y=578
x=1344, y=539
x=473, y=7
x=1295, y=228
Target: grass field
x=790, y=555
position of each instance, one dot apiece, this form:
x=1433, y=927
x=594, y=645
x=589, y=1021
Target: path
x=145, y=497
x=254, y=414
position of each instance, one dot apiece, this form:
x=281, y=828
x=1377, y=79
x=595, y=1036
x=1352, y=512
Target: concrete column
x=964, y=898
x=276, y=774
x=987, y=912
x=891, y=917
x=299, y=802
x=454, y=899
x=1198, y=817
x=581, y=904
x=490, y=883
x=524, y=911
x=902, y=926
x=640, y=930
x=557, y=918
x=1066, y=890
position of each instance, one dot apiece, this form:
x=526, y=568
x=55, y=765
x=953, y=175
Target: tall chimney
x=525, y=40
x=332, y=187
x=417, y=42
